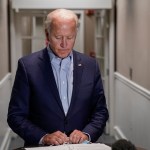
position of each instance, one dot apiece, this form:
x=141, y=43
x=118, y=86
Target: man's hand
x=56, y=138
x=77, y=137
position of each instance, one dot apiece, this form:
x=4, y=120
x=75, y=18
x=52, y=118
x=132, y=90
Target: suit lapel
x=77, y=75
x=46, y=68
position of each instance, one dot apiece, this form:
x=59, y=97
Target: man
x=58, y=95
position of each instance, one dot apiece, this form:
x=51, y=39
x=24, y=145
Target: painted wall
x=132, y=83
x=133, y=40
x=4, y=59
x=132, y=112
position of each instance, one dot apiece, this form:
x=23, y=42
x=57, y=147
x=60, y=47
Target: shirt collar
x=53, y=57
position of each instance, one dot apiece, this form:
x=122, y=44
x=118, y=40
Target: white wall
x=132, y=112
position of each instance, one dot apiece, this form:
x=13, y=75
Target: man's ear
x=47, y=35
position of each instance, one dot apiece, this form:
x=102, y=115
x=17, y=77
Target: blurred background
x=115, y=32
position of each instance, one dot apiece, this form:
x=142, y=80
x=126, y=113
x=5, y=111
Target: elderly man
x=58, y=95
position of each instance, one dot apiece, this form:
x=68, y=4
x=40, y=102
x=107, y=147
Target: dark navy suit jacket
x=35, y=107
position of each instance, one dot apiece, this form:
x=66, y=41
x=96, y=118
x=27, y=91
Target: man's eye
x=58, y=37
x=69, y=38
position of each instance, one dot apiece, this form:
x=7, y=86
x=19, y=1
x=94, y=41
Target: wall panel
x=132, y=119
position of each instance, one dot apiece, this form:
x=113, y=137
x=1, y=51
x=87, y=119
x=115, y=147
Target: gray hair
x=60, y=13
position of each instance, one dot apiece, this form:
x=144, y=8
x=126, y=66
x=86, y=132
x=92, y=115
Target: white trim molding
x=118, y=133
x=7, y=77
x=137, y=88
x=6, y=141
x=5, y=90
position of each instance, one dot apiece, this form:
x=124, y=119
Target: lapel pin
x=79, y=64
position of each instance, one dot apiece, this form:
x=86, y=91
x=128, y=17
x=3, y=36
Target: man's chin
x=63, y=55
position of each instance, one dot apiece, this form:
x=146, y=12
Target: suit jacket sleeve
x=100, y=115
x=18, y=112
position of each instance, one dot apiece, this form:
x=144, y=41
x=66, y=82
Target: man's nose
x=63, y=43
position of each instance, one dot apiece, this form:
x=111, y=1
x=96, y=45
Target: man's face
x=62, y=37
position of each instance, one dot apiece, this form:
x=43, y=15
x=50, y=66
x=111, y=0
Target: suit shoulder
x=84, y=57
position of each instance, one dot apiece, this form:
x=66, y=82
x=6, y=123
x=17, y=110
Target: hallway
x=115, y=32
